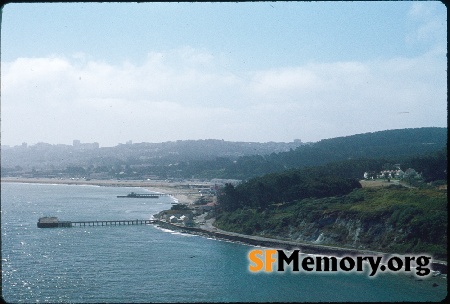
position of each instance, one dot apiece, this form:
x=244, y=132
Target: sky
x=242, y=71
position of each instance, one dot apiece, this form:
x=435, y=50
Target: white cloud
x=430, y=26
x=187, y=94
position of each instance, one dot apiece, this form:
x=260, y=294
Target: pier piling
x=111, y=223
x=55, y=223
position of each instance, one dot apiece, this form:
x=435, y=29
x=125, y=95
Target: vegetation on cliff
x=326, y=204
x=287, y=186
x=390, y=219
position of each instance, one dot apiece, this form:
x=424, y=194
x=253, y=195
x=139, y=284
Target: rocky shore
x=209, y=230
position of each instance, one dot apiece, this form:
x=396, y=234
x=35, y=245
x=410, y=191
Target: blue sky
x=250, y=71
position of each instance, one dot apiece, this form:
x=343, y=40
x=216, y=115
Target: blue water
x=148, y=264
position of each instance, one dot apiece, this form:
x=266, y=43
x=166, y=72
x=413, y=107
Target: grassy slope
x=388, y=219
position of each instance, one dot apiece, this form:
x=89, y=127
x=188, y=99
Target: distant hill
x=391, y=145
x=213, y=158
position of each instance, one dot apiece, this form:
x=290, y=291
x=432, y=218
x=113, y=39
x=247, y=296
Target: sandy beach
x=184, y=192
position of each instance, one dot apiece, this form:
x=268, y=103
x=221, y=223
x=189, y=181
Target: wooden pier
x=53, y=222
x=154, y=195
x=111, y=223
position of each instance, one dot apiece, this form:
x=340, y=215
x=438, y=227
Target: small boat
x=138, y=195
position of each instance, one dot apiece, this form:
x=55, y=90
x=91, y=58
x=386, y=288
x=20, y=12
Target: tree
x=410, y=175
x=179, y=207
x=387, y=166
x=228, y=198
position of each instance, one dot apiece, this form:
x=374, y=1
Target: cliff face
x=346, y=230
x=391, y=220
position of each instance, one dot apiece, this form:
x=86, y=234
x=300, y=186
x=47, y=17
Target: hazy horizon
x=133, y=142
x=243, y=72
x=205, y=139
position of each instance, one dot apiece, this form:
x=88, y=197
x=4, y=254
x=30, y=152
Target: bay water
x=144, y=263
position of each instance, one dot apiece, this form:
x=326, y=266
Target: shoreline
x=306, y=248
x=172, y=188
x=208, y=229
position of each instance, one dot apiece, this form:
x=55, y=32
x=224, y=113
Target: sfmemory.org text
x=270, y=260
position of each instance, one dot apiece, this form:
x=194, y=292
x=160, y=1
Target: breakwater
x=287, y=245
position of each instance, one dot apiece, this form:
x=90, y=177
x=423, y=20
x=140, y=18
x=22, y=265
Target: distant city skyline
x=246, y=71
x=78, y=143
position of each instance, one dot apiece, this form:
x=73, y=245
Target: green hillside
x=391, y=145
x=397, y=220
x=327, y=204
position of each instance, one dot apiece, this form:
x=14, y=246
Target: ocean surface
x=145, y=263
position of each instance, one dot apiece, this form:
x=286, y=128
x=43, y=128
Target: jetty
x=53, y=222
x=143, y=195
x=153, y=195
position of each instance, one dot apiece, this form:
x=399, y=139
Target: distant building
x=174, y=215
x=77, y=144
